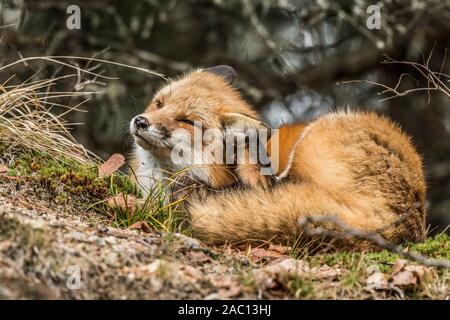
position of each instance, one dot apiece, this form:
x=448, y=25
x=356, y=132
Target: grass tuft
x=158, y=211
x=26, y=124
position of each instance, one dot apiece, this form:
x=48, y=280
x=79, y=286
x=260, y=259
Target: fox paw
x=252, y=176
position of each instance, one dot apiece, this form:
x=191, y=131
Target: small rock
x=191, y=243
x=154, y=266
x=75, y=235
x=130, y=277
x=110, y=240
x=289, y=265
x=377, y=280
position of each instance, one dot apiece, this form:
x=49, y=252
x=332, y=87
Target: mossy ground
x=359, y=265
x=434, y=247
x=72, y=183
x=77, y=188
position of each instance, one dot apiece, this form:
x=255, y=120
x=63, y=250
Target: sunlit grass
x=157, y=210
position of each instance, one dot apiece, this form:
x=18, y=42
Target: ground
x=60, y=239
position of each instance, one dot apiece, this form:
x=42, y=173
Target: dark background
x=289, y=55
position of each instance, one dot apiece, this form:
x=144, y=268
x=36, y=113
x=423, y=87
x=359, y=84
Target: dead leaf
x=14, y=178
x=398, y=266
x=154, y=266
x=111, y=165
x=423, y=274
x=3, y=168
x=377, y=280
x=141, y=225
x=123, y=201
x=404, y=279
x=294, y=265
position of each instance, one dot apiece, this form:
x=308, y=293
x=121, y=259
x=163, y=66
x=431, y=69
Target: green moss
x=435, y=247
x=77, y=185
x=12, y=172
x=247, y=279
x=70, y=182
x=67, y=177
x=383, y=260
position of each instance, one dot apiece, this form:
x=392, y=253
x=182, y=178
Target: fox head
x=200, y=102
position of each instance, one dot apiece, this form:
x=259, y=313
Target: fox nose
x=141, y=122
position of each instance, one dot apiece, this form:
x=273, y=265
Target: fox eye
x=159, y=104
x=187, y=121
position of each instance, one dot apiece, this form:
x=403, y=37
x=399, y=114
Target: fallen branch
x=349, y=232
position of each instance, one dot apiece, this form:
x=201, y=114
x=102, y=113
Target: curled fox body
x=357, y=167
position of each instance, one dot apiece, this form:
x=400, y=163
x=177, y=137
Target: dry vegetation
x=27, y=124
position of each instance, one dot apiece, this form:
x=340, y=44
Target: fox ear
x=242, y=122
x=226, y=72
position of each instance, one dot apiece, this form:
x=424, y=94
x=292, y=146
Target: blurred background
x=291, y=57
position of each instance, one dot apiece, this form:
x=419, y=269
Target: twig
x=57, y=59
x=433, y=79
x=349, y=232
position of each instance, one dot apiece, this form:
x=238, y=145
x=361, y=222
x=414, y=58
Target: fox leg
x=251, y=171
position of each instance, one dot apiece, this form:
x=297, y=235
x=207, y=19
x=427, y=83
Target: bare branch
x=433, y=79
x=374, y=237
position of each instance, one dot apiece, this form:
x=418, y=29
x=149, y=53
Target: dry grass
x=26, y=122
x=36, y=143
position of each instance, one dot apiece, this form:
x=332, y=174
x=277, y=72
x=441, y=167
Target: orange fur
x=355, y=166
x=286, y=136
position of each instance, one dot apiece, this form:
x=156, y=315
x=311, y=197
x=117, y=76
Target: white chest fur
x=149, y=171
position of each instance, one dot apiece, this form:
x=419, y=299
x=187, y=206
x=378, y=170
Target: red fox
x=357, y=167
